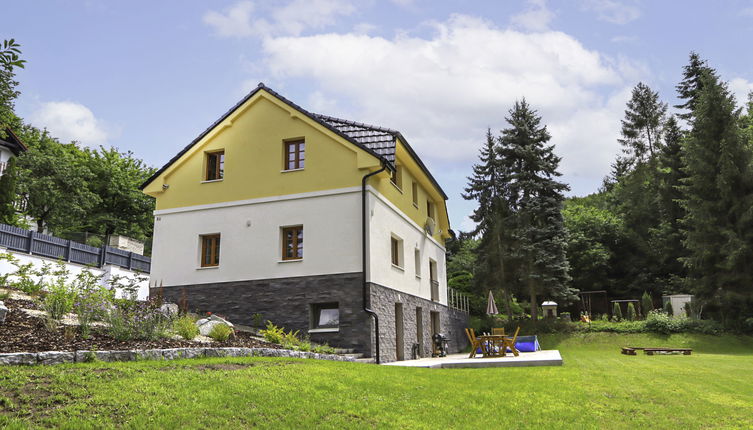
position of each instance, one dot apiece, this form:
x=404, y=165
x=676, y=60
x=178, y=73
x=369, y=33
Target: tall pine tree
x=641, y=128
x=691, y=85
x=536, y=198
x=718, y=195
x=487, y=187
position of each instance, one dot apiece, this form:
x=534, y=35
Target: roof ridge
x=356, y=123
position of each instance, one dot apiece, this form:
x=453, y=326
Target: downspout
x=364, y=257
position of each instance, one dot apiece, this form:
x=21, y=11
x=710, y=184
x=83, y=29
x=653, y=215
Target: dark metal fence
x=30, y=242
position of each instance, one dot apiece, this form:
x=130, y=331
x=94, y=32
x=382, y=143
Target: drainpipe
x=364, y=257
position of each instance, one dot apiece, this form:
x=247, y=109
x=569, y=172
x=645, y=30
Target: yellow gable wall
x=252, y=139
x=403, y=197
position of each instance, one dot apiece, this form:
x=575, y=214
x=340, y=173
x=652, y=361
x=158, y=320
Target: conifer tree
x=631, y=312
x=718, y=195
x=647, y=305
x=641, y=128
x=690, y=87
x=487, y=187
x=536, y=199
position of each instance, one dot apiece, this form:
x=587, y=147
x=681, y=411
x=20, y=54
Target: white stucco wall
x=250, y=241
x=388, y=221
x=106, y=272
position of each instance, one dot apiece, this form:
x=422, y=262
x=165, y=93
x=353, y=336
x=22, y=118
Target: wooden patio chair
x=498, y=331
x=509, y=342
x=475, y=343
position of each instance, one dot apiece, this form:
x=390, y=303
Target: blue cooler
x=527, y=344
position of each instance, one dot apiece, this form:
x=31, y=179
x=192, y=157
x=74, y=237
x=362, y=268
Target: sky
x=149, y=76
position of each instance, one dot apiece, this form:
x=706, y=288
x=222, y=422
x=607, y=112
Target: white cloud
x=741, y=88
x=297, y=16
x=234, y=22
x=71, y=121
x=443, y=91
x=535, y=18
x=616, y=12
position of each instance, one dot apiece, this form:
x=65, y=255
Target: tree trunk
x=532, y=292
x=40, y=226
x=505, y=289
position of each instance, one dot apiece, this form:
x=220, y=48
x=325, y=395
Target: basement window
x=325, y=317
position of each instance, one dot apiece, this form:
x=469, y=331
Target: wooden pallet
x=632, y=350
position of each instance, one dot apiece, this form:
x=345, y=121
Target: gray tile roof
x=379, y=139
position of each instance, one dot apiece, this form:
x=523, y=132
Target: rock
x=3, y=312
x=18, y=358
x=55, y=357
x=207, y=324
x=169, y=310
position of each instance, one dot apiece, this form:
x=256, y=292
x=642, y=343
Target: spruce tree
x=616, y=312
x=690, y=87
x=718, y=195
x=668, y=236
x=631, y=315
x=641, y=128
x=487, y=187
x=8, y=193
x=647, y=305
x=536, y=199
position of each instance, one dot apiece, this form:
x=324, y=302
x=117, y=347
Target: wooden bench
x=631, y=350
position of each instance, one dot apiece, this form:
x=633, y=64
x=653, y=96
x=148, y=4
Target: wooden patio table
x=495, y=345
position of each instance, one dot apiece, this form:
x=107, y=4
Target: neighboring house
x=262, y=215
x=10, y=146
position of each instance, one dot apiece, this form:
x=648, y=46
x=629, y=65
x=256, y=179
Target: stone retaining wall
x=60, y=357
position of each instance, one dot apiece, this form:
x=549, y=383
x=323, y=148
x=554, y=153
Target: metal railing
x=31, y=242
x=458, y=300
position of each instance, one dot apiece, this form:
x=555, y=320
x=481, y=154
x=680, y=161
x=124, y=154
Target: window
x=433, y=280
x=417, y=257
x=325, y=316
x=215, y=166
x=429, y=209
x=415, y=194
x=396, y=177
x=210, y=250
x=292, y=243
x=295, y=155
x=396, y=251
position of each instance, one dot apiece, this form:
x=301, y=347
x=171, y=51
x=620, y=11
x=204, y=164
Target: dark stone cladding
x=286, y=302
x=383, y=300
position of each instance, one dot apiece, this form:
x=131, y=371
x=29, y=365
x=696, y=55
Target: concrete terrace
x=456, y=361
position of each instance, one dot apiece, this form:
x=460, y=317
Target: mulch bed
x=24, y=333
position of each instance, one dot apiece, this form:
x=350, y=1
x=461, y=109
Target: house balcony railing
x=457, y=300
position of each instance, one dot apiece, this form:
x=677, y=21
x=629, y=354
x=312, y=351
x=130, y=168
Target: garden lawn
x=597, y=387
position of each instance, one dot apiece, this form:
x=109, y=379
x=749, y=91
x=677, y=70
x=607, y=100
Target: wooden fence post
x=102, y=255
x=68, y=251
x=31, y=241
x=130, y=261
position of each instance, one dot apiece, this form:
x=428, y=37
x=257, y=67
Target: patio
x=455, y=361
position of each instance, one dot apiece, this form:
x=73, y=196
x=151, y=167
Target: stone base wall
x=286, y=302
x=383, y=302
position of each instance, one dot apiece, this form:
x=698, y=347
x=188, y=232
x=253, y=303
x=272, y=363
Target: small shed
x=677, y=301
x=550, y=309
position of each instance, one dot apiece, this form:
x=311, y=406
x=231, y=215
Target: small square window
x=295, y=155
x=210, y=250
x=292, y=243
x=215, y=166
x=325, y=315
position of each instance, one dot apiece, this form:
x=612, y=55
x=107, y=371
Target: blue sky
x=149, y=76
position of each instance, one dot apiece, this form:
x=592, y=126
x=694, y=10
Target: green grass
x=597, y=387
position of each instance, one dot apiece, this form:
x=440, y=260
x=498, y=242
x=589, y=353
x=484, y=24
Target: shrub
x=323, y=349
x=59, y=300
x=617, y=312
x=93, y=301
x=273, y=334
x=668, y=308
x=186, y=327
x=23, y=277
x=647, y=305
x=136, y=321
x=631, y=312
x=258, y=320
x=220, y=332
